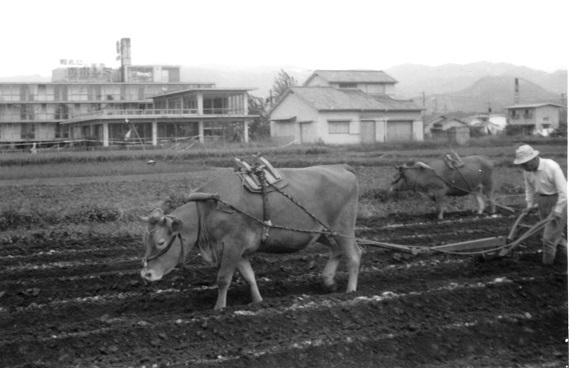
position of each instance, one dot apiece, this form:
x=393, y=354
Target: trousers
x=554, y=245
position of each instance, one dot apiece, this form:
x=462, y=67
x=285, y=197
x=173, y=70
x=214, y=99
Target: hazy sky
x=309, y=34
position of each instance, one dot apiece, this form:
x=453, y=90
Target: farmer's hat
x=524, y=154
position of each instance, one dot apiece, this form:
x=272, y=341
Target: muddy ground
x=82, y=302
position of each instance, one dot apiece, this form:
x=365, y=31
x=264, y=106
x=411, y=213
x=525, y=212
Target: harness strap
x=163, y=251
x=179, y=236
x=267, y=223
x=260, y=173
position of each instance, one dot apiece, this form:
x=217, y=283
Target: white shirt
x=547, y=179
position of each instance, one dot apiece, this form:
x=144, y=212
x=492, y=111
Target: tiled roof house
x=346, y=107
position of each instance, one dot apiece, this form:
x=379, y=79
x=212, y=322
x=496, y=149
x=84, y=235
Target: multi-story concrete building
x=102, y=105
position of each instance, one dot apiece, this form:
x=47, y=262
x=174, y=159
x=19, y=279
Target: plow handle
x=516, y=225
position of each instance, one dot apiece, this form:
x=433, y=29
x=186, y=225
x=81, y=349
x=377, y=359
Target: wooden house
x=346, y=107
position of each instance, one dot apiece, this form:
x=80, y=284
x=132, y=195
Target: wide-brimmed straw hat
x=524, y=154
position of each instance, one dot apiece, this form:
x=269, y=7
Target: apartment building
x=104, y=106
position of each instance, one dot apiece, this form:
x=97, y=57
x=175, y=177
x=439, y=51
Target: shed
x=459, y=134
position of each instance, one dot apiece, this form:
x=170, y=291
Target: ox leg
x=490, y=196
x=225, y=275
x=480, y=203
x=330, y=269
x=244, y=268
x=480, y=200
x=228, y=265
x=439, y=204
x=347, y=247
x=353, y=254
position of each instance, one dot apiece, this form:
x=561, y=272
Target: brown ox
x=226, y=238
x=438, y=180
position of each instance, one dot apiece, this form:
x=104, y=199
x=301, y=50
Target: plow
x=501, y=246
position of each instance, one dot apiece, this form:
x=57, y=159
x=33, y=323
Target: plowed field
x=80, y=301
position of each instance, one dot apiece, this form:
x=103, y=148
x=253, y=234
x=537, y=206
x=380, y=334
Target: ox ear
x=198, y=196
x=176, y=225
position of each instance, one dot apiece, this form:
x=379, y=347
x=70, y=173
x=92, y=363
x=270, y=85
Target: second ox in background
x=441, y=178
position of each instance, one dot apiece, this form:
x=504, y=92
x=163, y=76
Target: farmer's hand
x=556, y=217
x=529, y=209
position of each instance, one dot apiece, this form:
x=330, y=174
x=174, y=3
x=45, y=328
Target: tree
x=259, y=127
x=281, y=84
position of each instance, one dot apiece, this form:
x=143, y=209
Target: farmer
x=545, y=185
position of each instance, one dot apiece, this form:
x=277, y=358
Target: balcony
x=152, y=113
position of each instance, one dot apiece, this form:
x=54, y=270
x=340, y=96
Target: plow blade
x=471, y=245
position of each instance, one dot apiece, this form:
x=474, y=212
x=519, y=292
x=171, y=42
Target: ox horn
x=156, y=216
x=198, y=196
x=421, y=164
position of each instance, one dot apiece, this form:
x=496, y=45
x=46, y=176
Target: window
x=28, y=131
x=339, y=127
x=347, y=85
x=527, y=114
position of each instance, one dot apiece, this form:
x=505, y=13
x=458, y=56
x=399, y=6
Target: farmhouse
x=533, y=118
x=346, y=107
x=104, y=106
x=442, y=123
x=487, y=124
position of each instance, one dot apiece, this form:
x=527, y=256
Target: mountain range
x=474, y=87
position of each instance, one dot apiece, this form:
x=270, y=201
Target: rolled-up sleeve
x=561, y=186
x=529, y=190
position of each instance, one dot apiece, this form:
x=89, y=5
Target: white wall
x=547, y=115
x=291, y=106
x=353, y=135
x=10, y=132
x=318, y=129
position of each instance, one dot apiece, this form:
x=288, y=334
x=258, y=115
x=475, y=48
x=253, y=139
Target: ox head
x=162, y=250
x=406, y=176
x=163, y=240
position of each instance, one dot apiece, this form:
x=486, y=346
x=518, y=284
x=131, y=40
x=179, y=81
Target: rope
x=264, y=224
x=303, y=208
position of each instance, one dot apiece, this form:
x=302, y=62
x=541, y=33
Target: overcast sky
x=308, y=34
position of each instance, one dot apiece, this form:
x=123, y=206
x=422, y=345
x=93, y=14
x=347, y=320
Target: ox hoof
x=331, y=288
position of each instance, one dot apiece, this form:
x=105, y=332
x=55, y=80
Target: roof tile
x=329, y=98
x=353, y=76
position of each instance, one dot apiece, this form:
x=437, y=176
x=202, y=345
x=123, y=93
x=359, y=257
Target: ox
x=439, y=180
x=222, y=220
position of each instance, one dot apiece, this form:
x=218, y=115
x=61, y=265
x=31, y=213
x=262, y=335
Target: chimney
x=516, y=91
x=124, y=54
